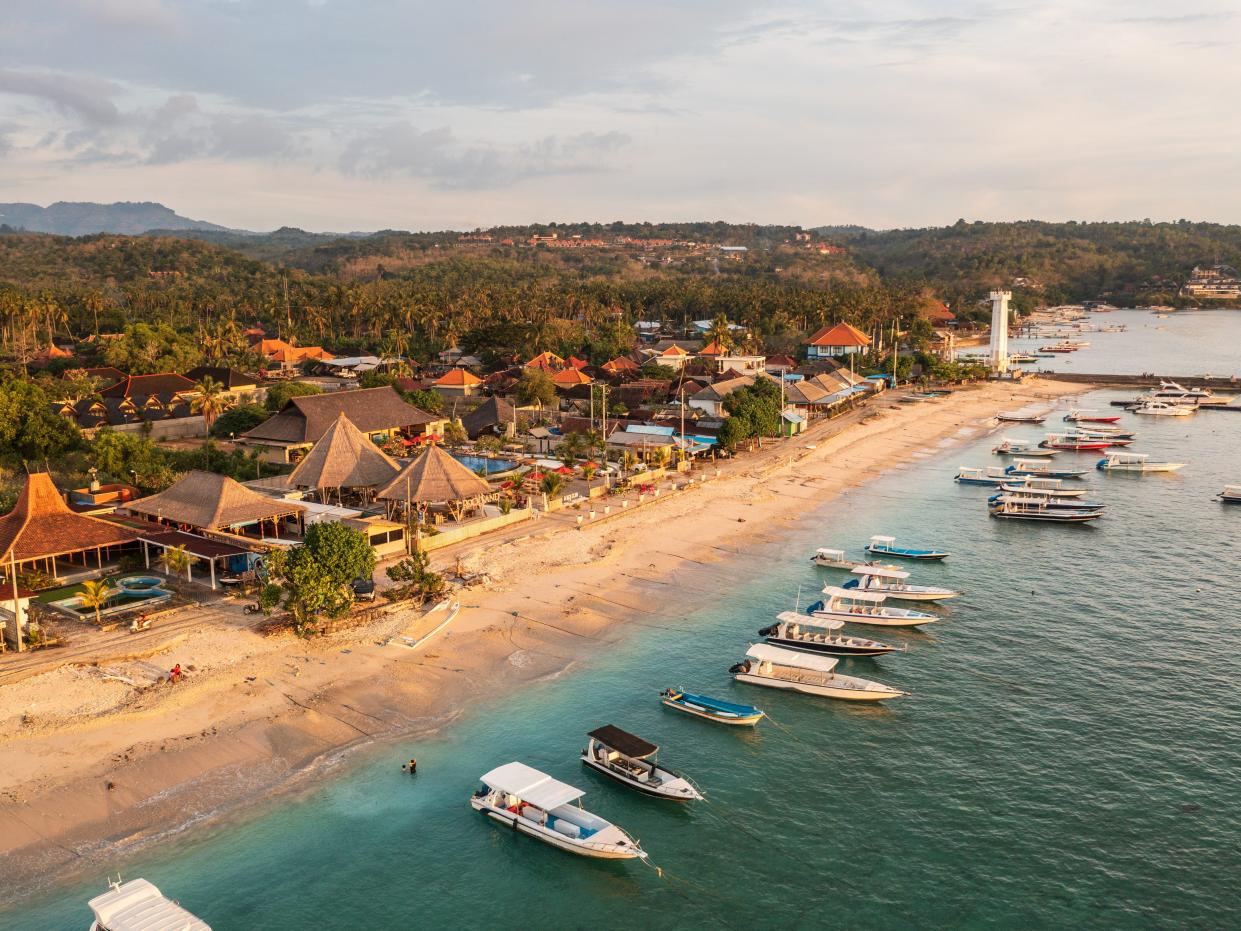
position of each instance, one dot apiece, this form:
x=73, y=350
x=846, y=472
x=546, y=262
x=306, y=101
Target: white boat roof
x=878, y=539
x=765, y=652
x=882, y=572
x=139, y=906
x=1232, y=489
x=532, y=786
x=1127, y=457
x=792, y=617
x=853, y=594
x=835, y=554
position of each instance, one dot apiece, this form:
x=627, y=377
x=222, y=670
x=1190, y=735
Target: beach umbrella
x=565, y=470
x=590, y=465
x=534, y=476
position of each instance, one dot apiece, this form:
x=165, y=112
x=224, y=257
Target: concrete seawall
x=1232, y=383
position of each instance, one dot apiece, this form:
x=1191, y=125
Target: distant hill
x=65, y=218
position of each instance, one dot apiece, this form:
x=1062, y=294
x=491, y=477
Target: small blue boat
x=883, y=546
x=1043, y=470
x=700, y=706
x=988, y=476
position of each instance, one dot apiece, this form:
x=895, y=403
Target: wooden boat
x=832, y=559
x=1038, y=509
x=1018, y=417
x=138, y=905
x=882, y=580
x=1009, y=447
x=1104, y=433
x=535, y=804
x=1153, y=407
x=1078, y=415
x=1059, y=504
x=1231, y=494
x=989, y=476
x=1073, y=442
x=778, y=668
x=413, y=643
x=883, y=546
x=857, y=607
x=815, y=635
x=712, y=709
x=1135, y=462
x=1042, y=470
x=630, y=760
x=1041, y=488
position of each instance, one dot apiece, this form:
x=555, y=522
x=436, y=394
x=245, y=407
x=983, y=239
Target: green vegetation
x=237, y=420
x=753, y=412
x=315, y=575
x=414, y=577
x=279, y=394
x=30, y=430
x=535, y=387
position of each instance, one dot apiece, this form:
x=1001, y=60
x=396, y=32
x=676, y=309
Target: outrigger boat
x=1018, y=417
x=630, y=761
x=988, y=476
x=1038, y=509
x=882, y=546
x=1009, y=447
x=533, y=803
x=1042, y=470
x=1074, y=442
x=814, y=635
x=1079, y=415
x=1115, y=433
x=881, y=580
x=700, y=706
x=1231, y=494
x=138, y=905
x=778, y=668
x=1135, y=462
x=857, y=607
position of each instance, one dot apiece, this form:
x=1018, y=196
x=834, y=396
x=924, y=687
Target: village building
x=380, y=413
x=622, y=367
x=433, y=484
x=344, y=460
x=710, y=400
x=237, y=385
x=841, y=339
x=570, y=378
x=494, y=417
x=457, y=383
x=546, y=362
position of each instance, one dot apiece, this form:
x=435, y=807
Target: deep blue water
x=1068, y=757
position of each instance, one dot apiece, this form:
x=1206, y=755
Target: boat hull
x=906, y=554
x=552, y=839
x=660, y=792
x=823, y=691
x=875, y=620
x=829, y=649
x=708, y=714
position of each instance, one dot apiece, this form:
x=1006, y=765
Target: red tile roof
x=143, y=386
x=42, y=525
x=570, y=378
x=458, y=378
x=842, y=334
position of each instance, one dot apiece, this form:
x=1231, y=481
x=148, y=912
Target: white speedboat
x=1153, y=407
x=816, y=635
x=533, y=803
x=880, y=580
x=1231, y=494
x=630, y=760
x=1042, y=488
x=857, y=607
x=1171, y=391
x=1135, y=462
x=139, y=906
x=778, y=668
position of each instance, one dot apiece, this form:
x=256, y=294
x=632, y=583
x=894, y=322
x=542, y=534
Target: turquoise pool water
x=486, y=465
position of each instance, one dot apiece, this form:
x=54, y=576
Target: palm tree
x=176, y=561
x=95, y=595
x=552, y=484
x=212, y=401
x=720, y=332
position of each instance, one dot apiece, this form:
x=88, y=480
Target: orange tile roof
x=458, y=378
x=674, y=350
x=570, y=378
x=547, y=361
x=577, y=363
x=713, y=349
x=41, y=525
x=842, y=334
x=621, y=364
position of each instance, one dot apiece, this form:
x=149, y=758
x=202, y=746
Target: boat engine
x=740, y=667
x=768, y=631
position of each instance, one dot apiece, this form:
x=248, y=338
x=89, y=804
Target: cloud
x=88, y=98
x=438, y=156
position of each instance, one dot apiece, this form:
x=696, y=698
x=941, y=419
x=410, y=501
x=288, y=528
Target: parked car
x=363, y=589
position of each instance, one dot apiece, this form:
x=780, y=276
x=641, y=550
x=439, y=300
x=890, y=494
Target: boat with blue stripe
x=713, y=709
x=885, y=546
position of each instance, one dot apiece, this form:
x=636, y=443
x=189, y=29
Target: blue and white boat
x=713, y=709
x=857, y=607
x=795, y=631
x=1042, y=470
x=992, y=475
x=884, y=546
x=883, y=580
x=1056, y=504
x=1041, y=487
x=1039, y=509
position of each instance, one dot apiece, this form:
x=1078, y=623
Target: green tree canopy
x=536, y=387
x=278, y=395
x=30, y=429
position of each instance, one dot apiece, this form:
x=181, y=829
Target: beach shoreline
x=84, y=785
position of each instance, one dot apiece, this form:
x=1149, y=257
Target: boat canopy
x=1232, y=489
x=766, y=653
x=882, y=572
x=792, y=617
x=629, y=744
x=139, y=906
x=853, y=594
x=830, y=554
x=883, y=540
x=1126, y=457
x=532, y=786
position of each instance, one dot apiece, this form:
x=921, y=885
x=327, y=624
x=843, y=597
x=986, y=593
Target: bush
x=239, y=419
x=278, y=395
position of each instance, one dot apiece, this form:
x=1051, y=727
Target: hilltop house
x=841, y=339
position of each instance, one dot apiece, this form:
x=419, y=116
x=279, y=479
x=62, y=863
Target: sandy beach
x=90, y=762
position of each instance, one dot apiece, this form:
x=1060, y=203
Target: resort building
x=710, y=400
x=380, y=413
x=839, y=340
x=435, y=481
x=1215, y=282
x=494, y=417
x=457, y=383
x=206, y=502
x=344, y=460
x=236, y=384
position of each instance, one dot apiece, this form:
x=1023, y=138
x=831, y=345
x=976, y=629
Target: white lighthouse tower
x=999, y=330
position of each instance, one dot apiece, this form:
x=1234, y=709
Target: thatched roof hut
x=207, y=501
x=344, y=458
x=435, y=477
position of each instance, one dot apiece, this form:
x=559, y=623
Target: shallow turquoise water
x=1069, y=755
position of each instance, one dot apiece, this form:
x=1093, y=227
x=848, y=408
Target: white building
x=999, y=330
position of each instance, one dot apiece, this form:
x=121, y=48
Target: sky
x=367, y=114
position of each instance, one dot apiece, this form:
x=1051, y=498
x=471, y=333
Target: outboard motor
x=768, y=631
x=740, y=667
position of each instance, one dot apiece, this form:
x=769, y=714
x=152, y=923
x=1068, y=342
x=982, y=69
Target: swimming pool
x=486, y=465
x=126, y=593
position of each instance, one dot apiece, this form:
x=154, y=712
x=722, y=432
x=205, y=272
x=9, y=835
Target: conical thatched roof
x=344, y=458
x=212, y=502
x=434, y=477
x=42, y=525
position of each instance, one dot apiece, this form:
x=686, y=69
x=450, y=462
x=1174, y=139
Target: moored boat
x=885, y=546
x=1153, y=407
x=1135, y=462
x=1074, y=442
x=1009, y=447
x=1041, y=488
x=882, y=580
x=778, y=668
x=1042, y=470
x=138, y=905
x=1019, y=417
x=1058, y=504
x=857, y=607
x=991, y=475
x=1231, y=494
x=1080, y=415
x=816, y=635
x=1018, y=508
x=712, y=709
x=535, y=804
x=630, y=760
